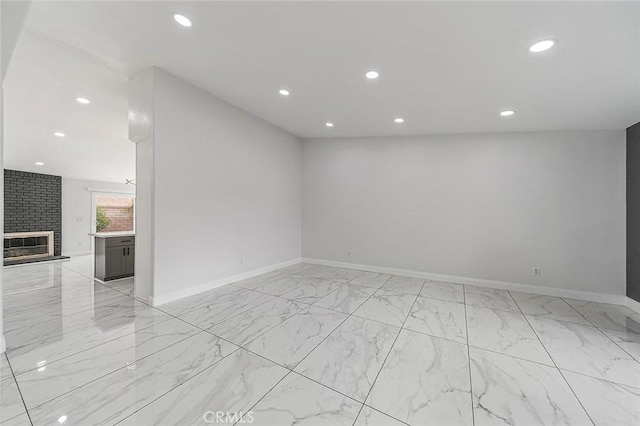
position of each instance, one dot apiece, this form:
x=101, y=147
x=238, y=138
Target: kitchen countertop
x=113, y=234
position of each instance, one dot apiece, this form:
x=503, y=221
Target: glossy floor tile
x=232, y=386
x=342, y=274
x=347, y=298
x=585, y=349
x=390, y=308
x=549, y=307
x=371, y=279
x=300, y=401
x=605, y=315
x=607, y=403
x=5, y=369
x=351, y=357
x=10, y=400
x=443, y=291
x=370, y=417
x=51, y=341
x=505, y=332
x=311, y=345
x=282, y=285
x=406, y=285
x=509, y=391
x=627, y=340
x=54, y=378
x=313, y=291
x=425, y=380
x=288, y=343
x=489, y=298
x=119, y=394
x=438, y=318
x=243, y=328
x=218, y=311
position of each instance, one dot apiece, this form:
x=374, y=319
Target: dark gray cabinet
x=115, y=257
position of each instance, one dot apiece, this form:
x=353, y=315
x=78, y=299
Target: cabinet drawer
x=120, y=241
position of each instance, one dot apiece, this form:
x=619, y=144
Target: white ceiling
x=445, y=67
x=44, y=78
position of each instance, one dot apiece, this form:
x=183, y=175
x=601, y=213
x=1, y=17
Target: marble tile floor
x=311, y=345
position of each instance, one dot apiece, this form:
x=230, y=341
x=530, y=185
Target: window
x=114, y=213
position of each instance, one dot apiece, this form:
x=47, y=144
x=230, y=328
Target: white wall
x=12, y=18
x=486, y=206
x=77, y=214
x=227, y=190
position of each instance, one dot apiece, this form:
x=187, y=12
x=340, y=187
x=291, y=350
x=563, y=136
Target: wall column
x=12, y=18
x=141, y=87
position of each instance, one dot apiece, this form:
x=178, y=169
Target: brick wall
x=121, y=219
x=33, y=202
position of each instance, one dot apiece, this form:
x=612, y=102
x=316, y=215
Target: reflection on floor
x=314, y=345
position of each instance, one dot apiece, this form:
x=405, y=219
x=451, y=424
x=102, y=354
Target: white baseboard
x=633, y=305
x=525, y=288
x=170, y=297
x=3, y=344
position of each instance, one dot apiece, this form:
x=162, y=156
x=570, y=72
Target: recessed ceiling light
x=399, y=120
x=39, y=163
x=62, y=419
x=372, y=75
x=59, y=134
x=83, y=100
x=182, y=20
x=284, y=92
x=328, y=124
x=543, y=45
x=507, y=113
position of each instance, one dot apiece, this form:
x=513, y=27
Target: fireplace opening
x=28, y=245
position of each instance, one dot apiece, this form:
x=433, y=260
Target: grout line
x=263, y=396
x=580, y=313
x=347, y=396
x=96, y=345
x=594, y=325
x=310, y=352
x=348, y=315
x=574, y=309
x=89, y=307
x=466, y=324
x=381, y=412
x=552, y=360
x=225, y=300
x=179, y=385
x=19, y=390
x=591, y=324
x=600, y=379
x=600, y=329
x=390, y=349
x=270, y=328
x=111, y=372
x=617, y=344
x=291, y=370
x=333, y=331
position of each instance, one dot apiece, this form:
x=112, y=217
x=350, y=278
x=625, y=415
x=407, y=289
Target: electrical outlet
x=80, y=243
x=535, y=271
x=241, y=262
x=349, y=254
